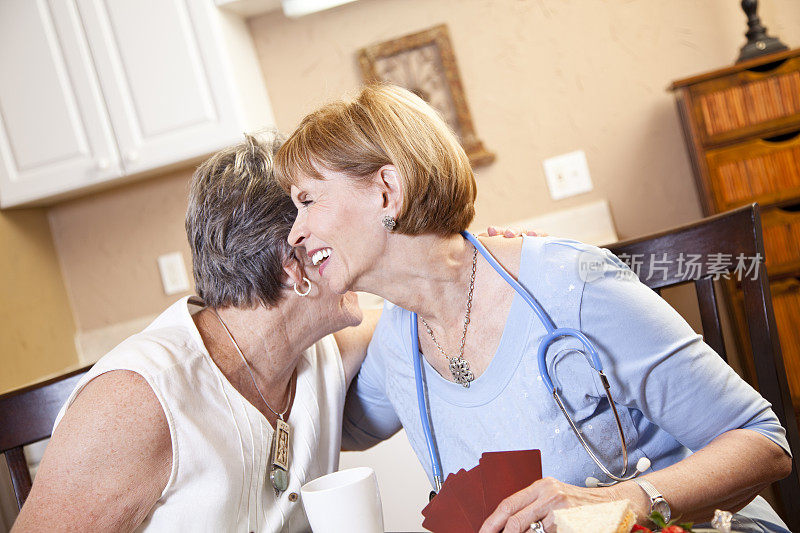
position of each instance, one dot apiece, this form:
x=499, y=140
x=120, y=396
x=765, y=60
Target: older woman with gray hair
x=212, y=417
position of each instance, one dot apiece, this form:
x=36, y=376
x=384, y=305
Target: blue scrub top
x=673, y=392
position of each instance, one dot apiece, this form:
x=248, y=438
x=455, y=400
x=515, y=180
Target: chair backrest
x=727, y=245
x=27, y=416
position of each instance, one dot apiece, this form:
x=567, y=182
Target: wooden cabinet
x=786, y=302
x=762, y=169
x=742, y=128
x=95, y=92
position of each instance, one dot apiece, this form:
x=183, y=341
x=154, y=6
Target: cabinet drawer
x=786, y=304
x=762, y=170
x=747, y=103
x=781, y=230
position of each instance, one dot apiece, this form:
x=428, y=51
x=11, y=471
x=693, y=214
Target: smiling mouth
x=320, y=255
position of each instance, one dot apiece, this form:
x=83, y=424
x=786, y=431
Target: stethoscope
x=553, y=334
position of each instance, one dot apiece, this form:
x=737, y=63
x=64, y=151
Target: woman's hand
x=493, y=231
x=537, y=502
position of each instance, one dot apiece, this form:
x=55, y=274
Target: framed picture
x=425, y=64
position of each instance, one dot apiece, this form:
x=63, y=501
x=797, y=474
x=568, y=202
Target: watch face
x=662, y=507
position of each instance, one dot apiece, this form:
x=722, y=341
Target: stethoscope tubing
x=433, y=453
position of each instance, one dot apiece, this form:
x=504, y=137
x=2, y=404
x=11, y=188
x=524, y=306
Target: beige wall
x=542, y=78
x=36, y=327
x=108, y=244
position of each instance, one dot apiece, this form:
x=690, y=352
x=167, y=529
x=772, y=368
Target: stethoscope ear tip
x=643, y=464
x=592, y=482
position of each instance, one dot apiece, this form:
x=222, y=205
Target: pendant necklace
x=279, y=450
x=459, y=366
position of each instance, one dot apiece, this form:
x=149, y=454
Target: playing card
x=504, y=473
x=468, y=487
x=443, y=514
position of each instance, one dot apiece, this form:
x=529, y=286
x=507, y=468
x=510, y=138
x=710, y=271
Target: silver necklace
x=459, y=366
x=279, y=450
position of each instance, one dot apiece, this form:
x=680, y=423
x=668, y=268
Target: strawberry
x=673, y=529
x=637, y=527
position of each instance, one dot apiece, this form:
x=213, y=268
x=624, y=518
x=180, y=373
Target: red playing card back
x=504, y=473
x=468, y=487
x=443, y=513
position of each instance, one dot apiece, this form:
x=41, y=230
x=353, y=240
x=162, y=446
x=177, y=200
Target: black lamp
x=758, y=42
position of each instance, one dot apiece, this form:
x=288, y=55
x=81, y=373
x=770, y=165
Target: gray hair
x=238, y=222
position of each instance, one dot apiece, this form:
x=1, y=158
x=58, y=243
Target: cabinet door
x=55, y=135
x=166, y=88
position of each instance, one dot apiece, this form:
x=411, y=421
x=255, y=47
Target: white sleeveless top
x=220, y=442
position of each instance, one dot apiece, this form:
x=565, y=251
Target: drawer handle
x=781, y=138
x=767, y=67
x=792, y=284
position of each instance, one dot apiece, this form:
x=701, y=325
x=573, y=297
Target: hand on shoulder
x=494, y=231
x=507, y=251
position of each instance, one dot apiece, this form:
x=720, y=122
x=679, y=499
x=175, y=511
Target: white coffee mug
x=348, y=500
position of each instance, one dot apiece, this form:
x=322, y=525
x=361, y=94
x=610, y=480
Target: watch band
x=648, y=487
x=657, y=500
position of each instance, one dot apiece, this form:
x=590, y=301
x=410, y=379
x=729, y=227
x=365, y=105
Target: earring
x=307, y=290
x=389, y=223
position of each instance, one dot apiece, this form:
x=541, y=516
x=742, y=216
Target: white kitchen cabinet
x=54, y=131
x=94, y=92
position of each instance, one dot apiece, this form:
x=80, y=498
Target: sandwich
x=610, y=517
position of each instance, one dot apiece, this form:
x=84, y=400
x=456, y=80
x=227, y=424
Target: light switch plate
x=173, y=273
x=567, y=175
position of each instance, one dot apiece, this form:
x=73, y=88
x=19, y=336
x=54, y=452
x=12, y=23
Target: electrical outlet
x=567, y=175
x=173, y=273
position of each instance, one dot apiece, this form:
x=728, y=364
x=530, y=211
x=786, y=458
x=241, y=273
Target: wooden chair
x=27, y=416
x=735, y=232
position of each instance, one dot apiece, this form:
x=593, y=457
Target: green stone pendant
x=279, y=457
x=279, y=479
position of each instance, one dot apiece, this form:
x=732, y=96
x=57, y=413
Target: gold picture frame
x=425, y=64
